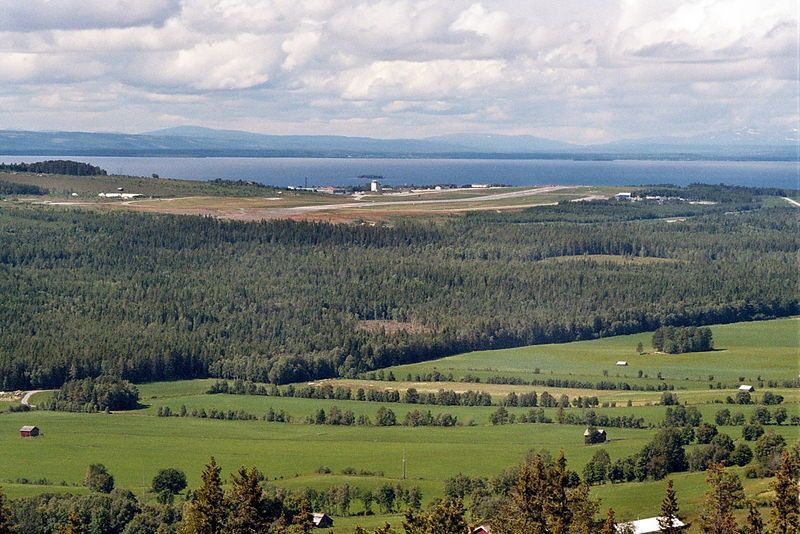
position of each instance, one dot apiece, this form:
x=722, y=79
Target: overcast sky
x=575, y=70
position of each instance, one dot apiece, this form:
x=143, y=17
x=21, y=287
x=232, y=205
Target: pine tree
x=523, y=511
x=557, y=505
x=6, y=519
x=610, y=524
x=583, y=511
x=669, y=511
x=785, y=517
x=443, y=517
x=754, y=524
x=247, y=500
x=717, y=515
x=207, y=511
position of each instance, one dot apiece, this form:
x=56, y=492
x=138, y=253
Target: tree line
x=55, y=166
x=13, y=188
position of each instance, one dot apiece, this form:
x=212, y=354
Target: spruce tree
x=6, y=518
x=610, y=524
x=443, y=517
x=785, y=517
x=754, y=524
x=523, y=510
x=207, y=512
x=248, y=514
x=717, y=514
x=668, y=522
x=582, y=511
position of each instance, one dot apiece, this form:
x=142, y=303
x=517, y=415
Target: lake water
x=328, y=171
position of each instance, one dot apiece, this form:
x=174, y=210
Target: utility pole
x=404, y=464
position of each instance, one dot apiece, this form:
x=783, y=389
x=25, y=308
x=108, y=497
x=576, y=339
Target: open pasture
x=135, y=444
x=766, y=349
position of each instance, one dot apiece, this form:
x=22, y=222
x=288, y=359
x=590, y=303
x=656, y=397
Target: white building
x=645, y=526
x=120, y=195
x=622, y=363
x=747, y=388
x=375, y=187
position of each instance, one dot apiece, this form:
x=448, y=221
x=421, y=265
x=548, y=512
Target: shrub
x=169, y=480
x=705, y=433
x=752, y=432
x=98, y=478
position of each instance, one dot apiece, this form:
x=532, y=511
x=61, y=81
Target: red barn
x=28, y=431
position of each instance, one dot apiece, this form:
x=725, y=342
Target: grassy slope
x=90, y=186
x=765, y=348
x=136, y=444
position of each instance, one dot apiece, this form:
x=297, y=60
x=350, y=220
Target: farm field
x=766, y=349
x=135, y=444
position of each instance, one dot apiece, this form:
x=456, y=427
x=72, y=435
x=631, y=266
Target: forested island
x=57, y=166
x=150, y=297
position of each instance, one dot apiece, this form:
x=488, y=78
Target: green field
x=135, y=445
x=766, y=349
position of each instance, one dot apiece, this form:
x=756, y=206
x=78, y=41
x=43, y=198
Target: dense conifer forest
x=148, y=297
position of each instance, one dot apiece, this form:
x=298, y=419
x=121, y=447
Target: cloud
x=576, y=70
x=32, y=15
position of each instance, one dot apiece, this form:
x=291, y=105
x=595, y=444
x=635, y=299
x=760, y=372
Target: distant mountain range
x=199, y=141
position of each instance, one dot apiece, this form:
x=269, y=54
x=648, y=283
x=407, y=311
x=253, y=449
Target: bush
x=169, y=480
x=752, y=432
x=741, y=455
x=98, y=478
x=771, y=398
x=768, y=450
x=705, y=433
x=723, y=417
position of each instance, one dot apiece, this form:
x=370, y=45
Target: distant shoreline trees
x=55, y=166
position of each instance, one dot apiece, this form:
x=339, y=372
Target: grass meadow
x=135, y=445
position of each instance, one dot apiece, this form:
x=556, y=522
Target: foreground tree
x=206, y=513
x=753, y=524
x=541, y=501
x=668, y=522
x=169, y=480
x=6, y=522
x=785, y=517
x=610, y=524
x=98, y=478
x=443, y=517
x=248, y=510
x=724, y=491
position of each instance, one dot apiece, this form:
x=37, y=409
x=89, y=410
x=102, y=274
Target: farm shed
x=481, y=530
x=645, y=526
x=747, y=388
x=29, y=431
x=592, y=435
x=622, y=363
x=322, y=521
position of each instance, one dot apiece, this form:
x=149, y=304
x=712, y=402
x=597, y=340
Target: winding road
x=26, y=399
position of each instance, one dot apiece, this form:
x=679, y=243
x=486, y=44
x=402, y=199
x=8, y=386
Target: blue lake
x=328, y=171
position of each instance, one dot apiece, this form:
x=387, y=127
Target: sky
x=583, y=71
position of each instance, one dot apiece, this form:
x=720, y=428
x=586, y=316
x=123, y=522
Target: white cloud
x=30, y=15
x=574, y=69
